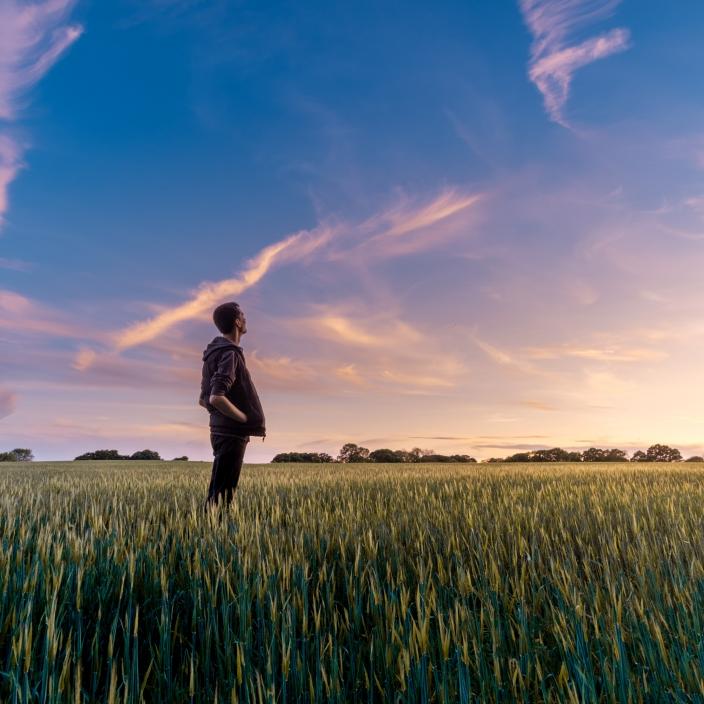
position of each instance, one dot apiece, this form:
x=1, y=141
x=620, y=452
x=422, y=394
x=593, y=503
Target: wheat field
x=352, y=583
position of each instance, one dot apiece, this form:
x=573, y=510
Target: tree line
x=115, y=455
x=350, y=452
x=655, y=453
x=19, y=454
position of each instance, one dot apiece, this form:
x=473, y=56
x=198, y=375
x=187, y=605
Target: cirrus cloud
x=553, y=61
x=406, y=228
x=8, y=401
x=32, y=38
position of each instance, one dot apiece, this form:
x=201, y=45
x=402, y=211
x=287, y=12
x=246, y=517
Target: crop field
x=352, y=583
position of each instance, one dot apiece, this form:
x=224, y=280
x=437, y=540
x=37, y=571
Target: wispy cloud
x=295, y=247
x=351, y=374
x=10, y=164
x=84, y=359
x=395, y=225
x=358, y=328
x=418, y=380
x=409, y=227
x=363, y=346
x=553, y=61
x=503, y=357
x=8, y=400
x=284, y=373
x=402, y=220
x=23, y=315
x=13, y=264
x=538, y=405
x=129, y=435
x=605, y=354
x=32, y=38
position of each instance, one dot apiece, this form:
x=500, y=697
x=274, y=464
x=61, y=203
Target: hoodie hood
x=218, y=344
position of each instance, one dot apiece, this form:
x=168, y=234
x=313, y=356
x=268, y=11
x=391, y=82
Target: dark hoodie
x=225, y=372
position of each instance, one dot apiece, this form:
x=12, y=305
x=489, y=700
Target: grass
x=352, y=583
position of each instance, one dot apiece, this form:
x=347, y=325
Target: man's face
x=242, y=323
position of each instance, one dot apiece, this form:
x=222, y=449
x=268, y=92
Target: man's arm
x=227, y=408
x=201, y=402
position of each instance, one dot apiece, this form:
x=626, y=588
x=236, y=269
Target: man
x=227, y=391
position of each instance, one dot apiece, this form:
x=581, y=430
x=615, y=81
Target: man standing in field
x=227, y=391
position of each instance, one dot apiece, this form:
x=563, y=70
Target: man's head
x=229, y=319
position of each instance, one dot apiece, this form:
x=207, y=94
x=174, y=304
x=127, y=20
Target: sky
x=475, y=228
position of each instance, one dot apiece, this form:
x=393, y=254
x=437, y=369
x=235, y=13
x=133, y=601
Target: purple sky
x=471, y=229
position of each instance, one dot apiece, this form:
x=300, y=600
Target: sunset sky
x=476, y=227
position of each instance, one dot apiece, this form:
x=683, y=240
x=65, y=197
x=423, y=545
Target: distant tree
x=103, y=455
x=180, y=459
x=663, y=453
x=311, y=457
x=8, y=457
x=385, y=455
x=639, y=456
x=556, y=454
x=24, y=454
x=518, y=457
x=596, y=454
x=353, y=453
x=695, y=458
x=493, y=460
x=145, y=455
x=593, y=454
x=416, y=453
x=446, y=458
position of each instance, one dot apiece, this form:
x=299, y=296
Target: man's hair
x=224, y=317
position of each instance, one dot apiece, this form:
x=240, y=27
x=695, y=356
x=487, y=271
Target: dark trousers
x=228, y=454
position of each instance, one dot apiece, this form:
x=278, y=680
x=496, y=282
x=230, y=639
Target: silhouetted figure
x=227, y=391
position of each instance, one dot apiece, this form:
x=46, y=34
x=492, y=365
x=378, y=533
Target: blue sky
x=472, y=227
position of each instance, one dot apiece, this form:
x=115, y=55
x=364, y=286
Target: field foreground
x=352, y=583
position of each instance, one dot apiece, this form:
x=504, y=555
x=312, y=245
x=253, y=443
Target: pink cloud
x=132, y=433
x=294, y=247
x=43, y=366
x=343, y=328
x=10, y=164
x=409, y=227
x=613, y=353
x=14, y=303
x=403, y=220
x=553, y=62
x=23, y=315
x=84, y=359
x=385, y=234
x=8, y=401
x=365, y=348
x=284, y=373
x=32, y=38
x=108, y=369
x=14, y=264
